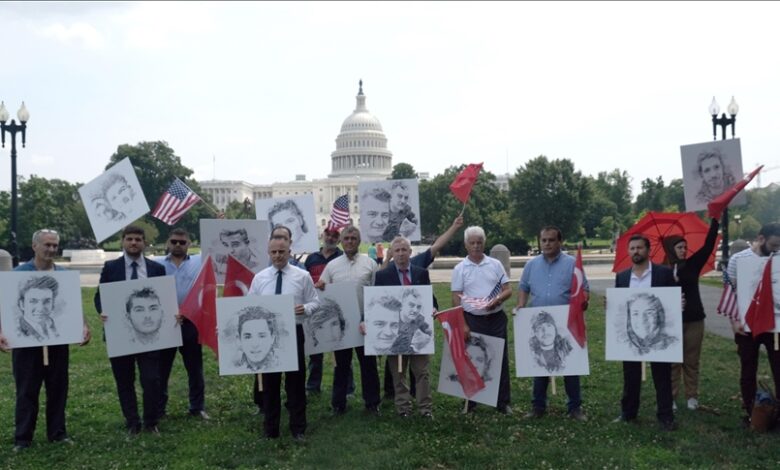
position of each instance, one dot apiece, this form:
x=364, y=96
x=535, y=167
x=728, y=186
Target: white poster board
x=709, y=169
x=644, y=324
x=256, y=334
x=750, y=269
x=297, y=214
x=544, y=346
x=389, y=208
x=141, y=315
x=399, y=320
x=486, y=353
x=113, y=200
x=245, y=239
x=41, y=308
x=335, y=324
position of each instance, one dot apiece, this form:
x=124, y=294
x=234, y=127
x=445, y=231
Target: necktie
x=278, y=282
x=134, y=274
x=407, y=281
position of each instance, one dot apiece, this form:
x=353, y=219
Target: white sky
x=264, y=87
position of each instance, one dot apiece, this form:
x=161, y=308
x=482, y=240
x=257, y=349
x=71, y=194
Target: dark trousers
x=314, y=380
x=29, y=374
x=389, y=386
x=494, y=325
x=295, y=386
x=149, y=373
x=748, y=349
x=570, y=382
x=632, y=386
x=369, y=378
x=192, y=356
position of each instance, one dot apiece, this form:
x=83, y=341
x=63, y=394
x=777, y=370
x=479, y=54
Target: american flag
x=482, y=303
x=728, y=300
x=175, y=202
x=339, y=215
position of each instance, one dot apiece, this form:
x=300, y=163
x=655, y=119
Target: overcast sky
x=264, y=87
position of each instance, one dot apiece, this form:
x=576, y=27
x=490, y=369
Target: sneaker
x=21, y=447
x=535, y=413
x=623, y=419
x=693, y=404
x=200, y=414
x=578, y=415
x=504, y=410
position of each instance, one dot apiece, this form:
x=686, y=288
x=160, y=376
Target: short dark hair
x=281, y=227
x=41, y=282
x=552, y=228
x=291, y=206
x=145, y=293
x=180, y=232
x=639, y=236
x=133, y=230
x=770, y=230
x=239, y=231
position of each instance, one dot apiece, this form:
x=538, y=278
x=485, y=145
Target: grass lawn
x=711, y=438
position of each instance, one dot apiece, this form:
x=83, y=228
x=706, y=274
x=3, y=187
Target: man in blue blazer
x=643, y=273
x=402, y=272
x=133, y=265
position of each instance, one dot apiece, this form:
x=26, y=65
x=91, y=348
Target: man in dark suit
x=643, y=273
x=133, y=265
x=413, y=331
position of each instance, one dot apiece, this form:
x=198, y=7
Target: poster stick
x=400, y=364
x=644, y=372
x=466, y=406
x=777, y=346
x=46, y=355
x=554, y=389
x=259, y=382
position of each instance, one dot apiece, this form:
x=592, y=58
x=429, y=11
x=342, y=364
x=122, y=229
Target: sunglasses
x=178, y=242
x=45, y=230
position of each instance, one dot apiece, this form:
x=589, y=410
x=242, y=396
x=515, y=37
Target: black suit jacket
x=390, y=277
x=114, y=271
x=660, y=276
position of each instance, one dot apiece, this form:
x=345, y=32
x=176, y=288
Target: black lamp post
x=724, y=122
x=13, y=129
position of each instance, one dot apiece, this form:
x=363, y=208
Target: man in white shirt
x=281, y=278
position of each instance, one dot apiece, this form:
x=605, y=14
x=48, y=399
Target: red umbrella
x=658, y=225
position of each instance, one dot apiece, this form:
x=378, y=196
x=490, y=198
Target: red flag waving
x=577, y=299
x=717, y=204
x=465, y=180
x=238, y=278
x=200, y=305
x=468, y=376
x=760, y=315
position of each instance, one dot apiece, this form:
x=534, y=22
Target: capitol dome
x=361, y=146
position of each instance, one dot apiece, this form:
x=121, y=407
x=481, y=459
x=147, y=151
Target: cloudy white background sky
x=607, y=85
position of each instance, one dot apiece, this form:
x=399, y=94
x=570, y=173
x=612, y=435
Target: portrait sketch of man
x=398, y=320
x=40, y=309
x=335, y=324
x=485, y=353
x=544, y=346
x=245, y=240
x=389, y=208
x=709, y=169
x=644, y=324
x=256, y=334
x=141, y=315
x=113, y=200
x=297, y=214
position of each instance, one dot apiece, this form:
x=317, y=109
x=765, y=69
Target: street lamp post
x=738, y=221
x=724, y=122
x=13, y=129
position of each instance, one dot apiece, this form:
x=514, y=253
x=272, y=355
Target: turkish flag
x=465, y=180
x=760, y=315
x=238, y=278
x=468, y=376
x=717, y=204
x=200, y=305
x=577, y=298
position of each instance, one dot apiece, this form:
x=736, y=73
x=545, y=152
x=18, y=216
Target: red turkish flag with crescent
x=200, y=305
x=468, y=376
x=461, y=186
x=238, y=278
x=760, y=315
x=577, y=299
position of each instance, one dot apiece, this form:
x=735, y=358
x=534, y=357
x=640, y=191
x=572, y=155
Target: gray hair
x=36, y=238
x=474, y=231
x=400, y=239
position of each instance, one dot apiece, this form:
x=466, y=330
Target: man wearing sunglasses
x=184, y=268
x=28, y=368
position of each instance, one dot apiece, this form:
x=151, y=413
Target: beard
x=638, y=259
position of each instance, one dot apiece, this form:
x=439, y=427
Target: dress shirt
x=295, y=281
x=129, y=268
x=359, y=269
x=645, y=280
x=478, y=279
x=185, y=273
x=731, y=269
x=549, y=282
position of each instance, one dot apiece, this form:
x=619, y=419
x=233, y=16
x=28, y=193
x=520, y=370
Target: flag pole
x=464, y=209
x=554, y=390
x=46, y=354
x=259, y=382
x=210, y=207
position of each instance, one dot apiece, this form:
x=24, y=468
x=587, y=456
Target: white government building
x=361, y=154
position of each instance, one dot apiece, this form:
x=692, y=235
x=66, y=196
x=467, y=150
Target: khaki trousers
x=403, y=399
x=693, y=334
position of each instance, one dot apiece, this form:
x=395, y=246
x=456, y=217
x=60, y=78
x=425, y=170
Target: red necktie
x=407, y=281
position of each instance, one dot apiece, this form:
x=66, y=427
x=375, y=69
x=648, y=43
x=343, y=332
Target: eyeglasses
x=178, y=242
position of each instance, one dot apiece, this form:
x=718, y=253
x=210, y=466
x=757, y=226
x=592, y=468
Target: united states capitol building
x=361, y=154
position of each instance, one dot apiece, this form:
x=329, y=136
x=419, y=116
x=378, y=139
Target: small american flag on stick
x=339, y=214
x=175, y=202
x=728, y=300
x=482, y=303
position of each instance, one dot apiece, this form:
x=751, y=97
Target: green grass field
x=709, y=438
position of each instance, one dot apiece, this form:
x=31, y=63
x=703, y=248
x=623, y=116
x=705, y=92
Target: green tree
x=545, y=192
x=652, y=196
x=156, y=166
x=402, y=171
x=240, y=210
